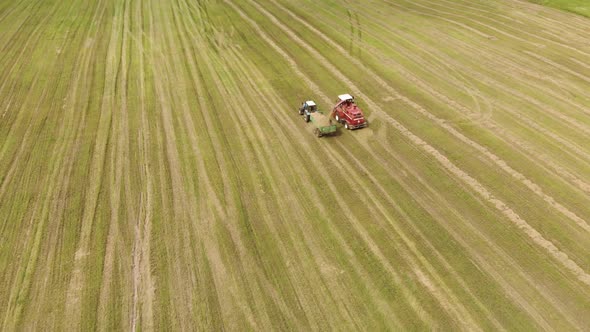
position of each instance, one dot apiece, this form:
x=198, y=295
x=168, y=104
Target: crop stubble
x=181, y=188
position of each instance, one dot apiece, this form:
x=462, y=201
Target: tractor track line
x=180, y=207
x=36, y=33
x=509, y=289
x=479, y=22
x=406, y=74
x=58, y=206
x=8, y=11
x=45, y=212
x=75, y=288
x=142, y=242
x=558, y=66
x=579, y=183
x=34, y=9
x=164, y=173
x=229, y=210
x=460, y=313
x=475, y=185
x=118, y=169
x=496, y=22
x=225, y=292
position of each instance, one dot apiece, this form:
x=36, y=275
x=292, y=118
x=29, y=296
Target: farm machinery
x=322, y=122
x=348, y=113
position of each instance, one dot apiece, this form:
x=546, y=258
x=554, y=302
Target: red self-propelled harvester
x=348, y=113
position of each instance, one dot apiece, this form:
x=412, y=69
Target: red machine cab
x=348, y=113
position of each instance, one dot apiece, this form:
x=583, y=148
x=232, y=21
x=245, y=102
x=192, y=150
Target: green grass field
x=575, y=6
x=155, y=173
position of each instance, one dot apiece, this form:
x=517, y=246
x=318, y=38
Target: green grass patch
x=581, y=7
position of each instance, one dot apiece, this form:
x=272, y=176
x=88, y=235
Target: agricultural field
x=155, y=172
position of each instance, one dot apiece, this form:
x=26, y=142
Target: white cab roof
x=345, y=97
x=310, y=103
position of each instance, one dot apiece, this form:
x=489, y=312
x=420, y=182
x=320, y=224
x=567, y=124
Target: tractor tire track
x=143, y=284
x=180, y=209
x=555, y=168
x=226, y=293
x=65, y=130
x=118, y=177
x=32, y=39
x=502, y=32
x=74, y=296
x=489, y=16
x=482, y=262
x=58, y=206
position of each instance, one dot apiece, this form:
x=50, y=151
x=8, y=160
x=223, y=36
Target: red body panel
x=348, y=112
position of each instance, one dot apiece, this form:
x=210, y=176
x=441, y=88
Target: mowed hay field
x=155, y=174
